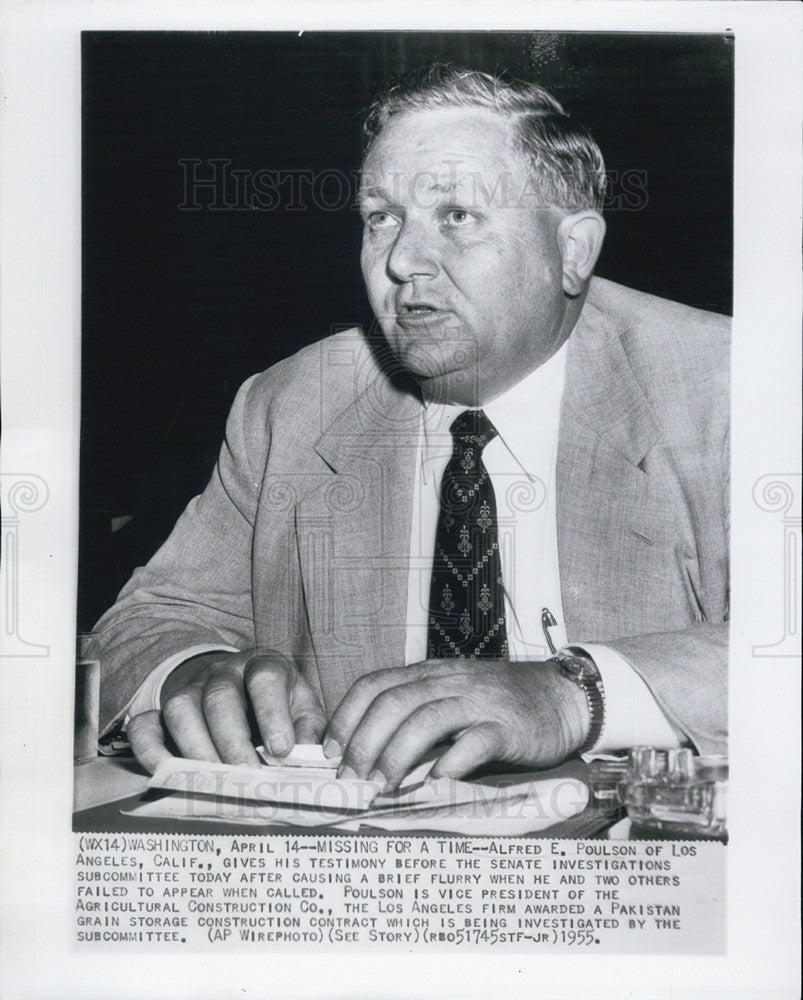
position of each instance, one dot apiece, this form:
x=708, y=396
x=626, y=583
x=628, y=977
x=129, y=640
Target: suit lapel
x=353, y=532
x=353, y=526
x=606, y=503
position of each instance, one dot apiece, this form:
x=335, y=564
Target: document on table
x=302, y=790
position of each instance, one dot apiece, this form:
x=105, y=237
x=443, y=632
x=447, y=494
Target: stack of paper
x=302, y=790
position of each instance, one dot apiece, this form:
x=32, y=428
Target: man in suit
x=397, y=530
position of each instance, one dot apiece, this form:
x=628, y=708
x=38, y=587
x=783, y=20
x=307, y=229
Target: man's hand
x=208, y=703
x=493, y=710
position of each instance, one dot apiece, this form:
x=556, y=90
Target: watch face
x=584, y=668
x=576, y=668
x=573, y=673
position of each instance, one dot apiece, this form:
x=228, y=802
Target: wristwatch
x=579, y=668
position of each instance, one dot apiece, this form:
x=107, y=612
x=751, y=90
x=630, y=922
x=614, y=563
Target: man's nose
x=413, y=252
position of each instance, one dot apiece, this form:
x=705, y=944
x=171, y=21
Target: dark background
x=180, y=306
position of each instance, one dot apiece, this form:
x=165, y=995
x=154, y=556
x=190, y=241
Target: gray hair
x=565, y=161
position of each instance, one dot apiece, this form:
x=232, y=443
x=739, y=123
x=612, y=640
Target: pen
x=547, y=622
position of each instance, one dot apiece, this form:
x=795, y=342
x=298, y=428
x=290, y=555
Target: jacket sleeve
x=197, y=588
x=687, y=673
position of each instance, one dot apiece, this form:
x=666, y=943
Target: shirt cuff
x=148, y=695
x=632, y=715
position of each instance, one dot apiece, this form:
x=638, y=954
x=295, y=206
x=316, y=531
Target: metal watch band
x=578, y=667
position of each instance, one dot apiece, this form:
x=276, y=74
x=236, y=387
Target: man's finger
x=358, y=699
x=424, y=727
x=306, y=711
x=268, y=679
x=147, y=739
x=309, y=728
x=475, y=746
x=224, y=709
x=384, y=716
x=185, y=722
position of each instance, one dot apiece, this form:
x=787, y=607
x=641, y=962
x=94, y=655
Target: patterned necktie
x=466, y=599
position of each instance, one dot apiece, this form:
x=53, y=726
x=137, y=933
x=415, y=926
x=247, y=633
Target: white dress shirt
x=522, y=465
x=521, y=462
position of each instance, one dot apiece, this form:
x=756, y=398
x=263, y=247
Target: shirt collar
x=532, y=402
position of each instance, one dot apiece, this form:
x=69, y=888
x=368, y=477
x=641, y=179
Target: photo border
x=40, y=323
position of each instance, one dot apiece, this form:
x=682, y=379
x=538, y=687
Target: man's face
x=461, y=263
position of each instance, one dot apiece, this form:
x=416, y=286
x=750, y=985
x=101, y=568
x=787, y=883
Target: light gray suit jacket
x=300, y=541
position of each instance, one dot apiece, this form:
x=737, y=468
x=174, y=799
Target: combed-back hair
x=566, y=163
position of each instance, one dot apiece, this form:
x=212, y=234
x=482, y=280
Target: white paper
x=302, y=755
x=296, y=786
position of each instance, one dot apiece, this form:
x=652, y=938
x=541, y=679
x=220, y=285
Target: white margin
x=39, y=326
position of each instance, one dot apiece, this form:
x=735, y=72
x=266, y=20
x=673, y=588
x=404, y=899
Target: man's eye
x=382, y=220
x=458, y=217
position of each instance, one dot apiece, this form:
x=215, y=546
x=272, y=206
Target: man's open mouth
x=417, y=307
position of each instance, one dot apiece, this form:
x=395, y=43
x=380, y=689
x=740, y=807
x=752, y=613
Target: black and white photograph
x=333, y=584
x=432, y=514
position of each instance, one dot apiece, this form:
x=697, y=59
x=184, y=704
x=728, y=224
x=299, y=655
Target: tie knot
x=472, y=429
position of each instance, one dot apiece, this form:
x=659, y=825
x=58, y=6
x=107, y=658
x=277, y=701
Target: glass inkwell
x=671, y=791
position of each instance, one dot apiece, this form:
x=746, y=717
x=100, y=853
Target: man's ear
x=580, y=239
